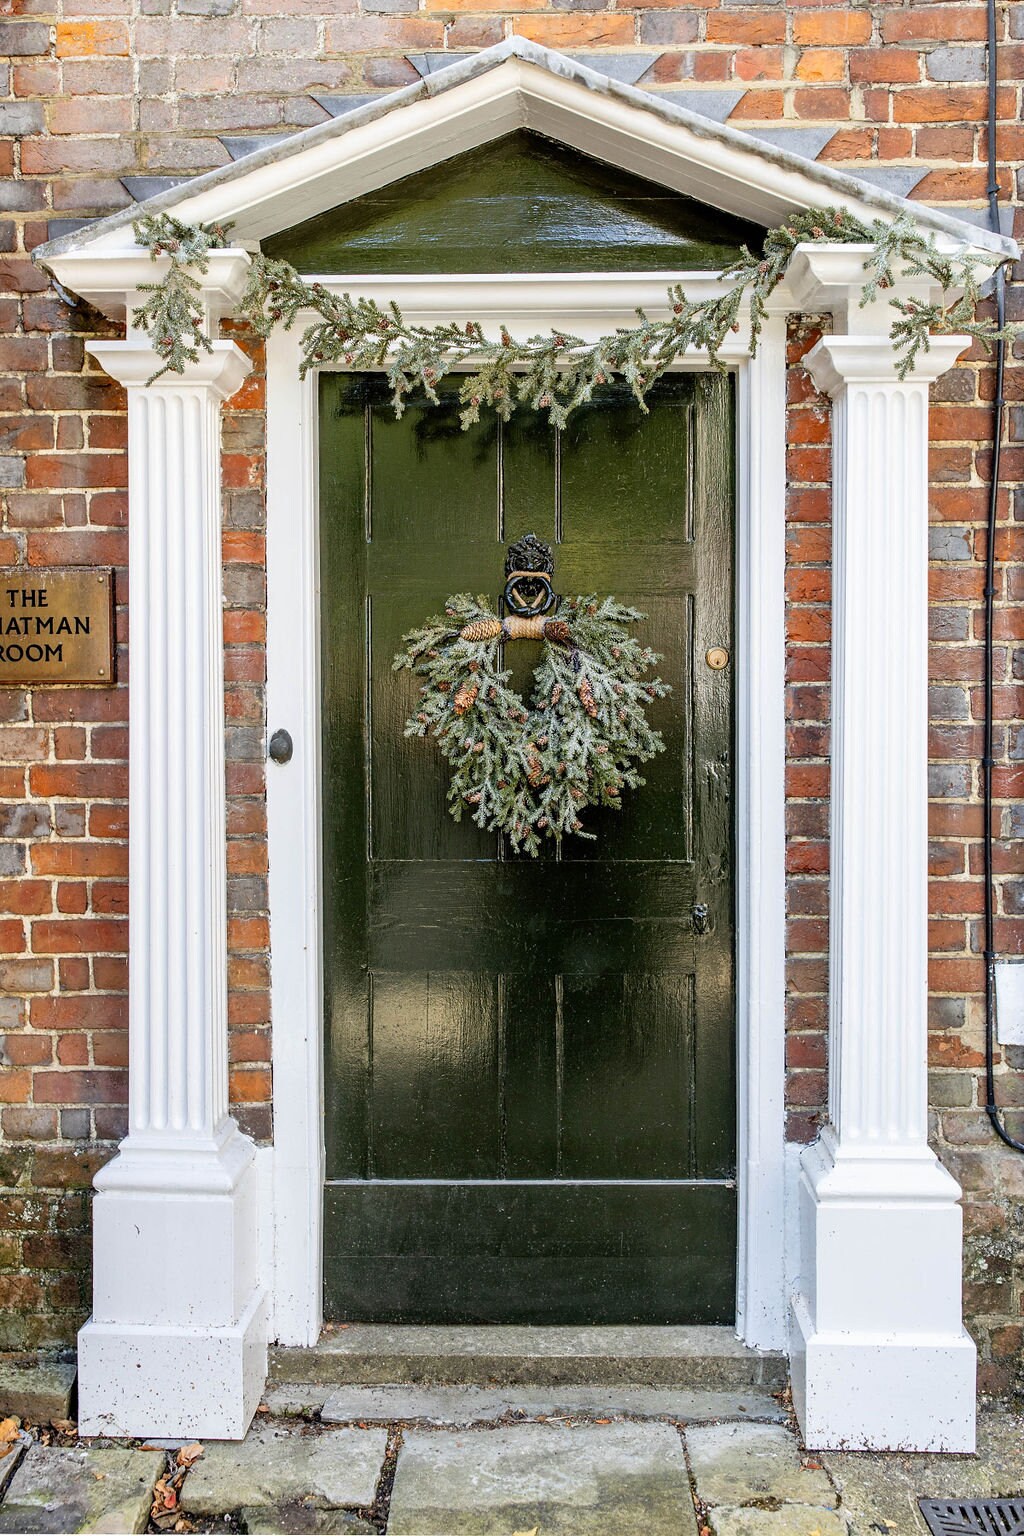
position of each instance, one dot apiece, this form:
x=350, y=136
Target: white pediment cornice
x=514, y=85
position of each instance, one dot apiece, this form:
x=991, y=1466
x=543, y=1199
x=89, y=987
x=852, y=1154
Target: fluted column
x=175, y=1216
x=879, y=807
x=880, y=1357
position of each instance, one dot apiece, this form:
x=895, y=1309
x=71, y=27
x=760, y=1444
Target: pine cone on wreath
x=586, y=694
x=465, y=698
x=557, y=631
x=481, y=629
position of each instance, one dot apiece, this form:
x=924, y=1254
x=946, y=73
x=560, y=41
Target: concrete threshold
x=698, y=1358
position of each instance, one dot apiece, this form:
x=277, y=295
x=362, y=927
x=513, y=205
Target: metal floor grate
x=974, y=1517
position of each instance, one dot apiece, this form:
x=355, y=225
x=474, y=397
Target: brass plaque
x=56, y=627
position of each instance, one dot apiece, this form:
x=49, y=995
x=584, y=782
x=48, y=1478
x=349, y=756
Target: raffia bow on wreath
x=531, y=771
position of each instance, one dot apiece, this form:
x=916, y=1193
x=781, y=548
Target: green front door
x=530, y=1080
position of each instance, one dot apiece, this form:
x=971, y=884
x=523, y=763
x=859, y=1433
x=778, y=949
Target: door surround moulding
x=589, y=305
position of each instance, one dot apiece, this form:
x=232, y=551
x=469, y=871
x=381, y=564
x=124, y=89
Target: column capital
x=222, y=370
x=828, y=278
x=837, y=361
x=113, y=279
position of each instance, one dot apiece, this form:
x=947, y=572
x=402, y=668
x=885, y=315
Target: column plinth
x=176, y=1344
x=880, y=1356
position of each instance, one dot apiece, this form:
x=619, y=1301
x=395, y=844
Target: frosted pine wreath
x=532, y=770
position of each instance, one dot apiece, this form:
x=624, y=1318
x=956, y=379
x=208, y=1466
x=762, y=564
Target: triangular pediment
x=503, y=90
x=519, y=204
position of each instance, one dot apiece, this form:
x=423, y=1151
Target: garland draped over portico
x=558, y=372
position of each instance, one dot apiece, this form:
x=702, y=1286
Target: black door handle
x=280, y=748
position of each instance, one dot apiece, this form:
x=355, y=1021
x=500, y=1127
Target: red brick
x=821, y=65
x=750, y=27
x=577, y=31
x=838, y=28
x=948, y=103
x=28, y=897
x=877, y=65
x=935, y=23
x=81, y=1087
x=60, y=936
x=81, y=39
x=91, y=781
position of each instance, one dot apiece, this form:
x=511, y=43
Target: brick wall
x=98, y=90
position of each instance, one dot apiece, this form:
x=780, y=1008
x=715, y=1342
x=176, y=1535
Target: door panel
x=530, y=1074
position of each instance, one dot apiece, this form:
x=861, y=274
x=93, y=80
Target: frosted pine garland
x=558, y=372
x=531, y=771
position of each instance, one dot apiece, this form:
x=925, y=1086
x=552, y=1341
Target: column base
x=877, y=1392
x=195, y=1382
x=880, y=1358
x=177, y=1341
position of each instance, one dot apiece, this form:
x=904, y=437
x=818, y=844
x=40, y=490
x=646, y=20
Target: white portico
x=205, y=1245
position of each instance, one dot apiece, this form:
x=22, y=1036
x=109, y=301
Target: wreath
x=530, y=771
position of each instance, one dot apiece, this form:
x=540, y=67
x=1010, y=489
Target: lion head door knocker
x=529, y=571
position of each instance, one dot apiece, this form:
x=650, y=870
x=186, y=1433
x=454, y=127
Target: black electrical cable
x=988, y=755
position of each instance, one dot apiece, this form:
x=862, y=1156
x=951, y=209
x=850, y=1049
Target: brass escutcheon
x=717, y=658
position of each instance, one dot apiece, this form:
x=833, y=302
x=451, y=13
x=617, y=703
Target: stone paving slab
x=790, y=1520
x=582, y=1480
x=304, y=1520
x=472, y=1405
x=274, y=1466
x=76, y=1488
x=10, y=1460
x=876, y=1489
x=737, y=1464
x=37, y=1391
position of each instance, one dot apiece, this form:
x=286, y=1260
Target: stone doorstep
x=446, y=1406
x=373, y=1354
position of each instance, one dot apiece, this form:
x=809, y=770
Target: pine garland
x=531, y=771
x=559, y=372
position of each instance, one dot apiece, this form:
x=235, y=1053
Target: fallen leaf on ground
x=100, y=1477
x=64, y=1426
x=189, y=1453
x=602, y=1421
x=9, y=1429
x=165, y=1497
x=532, y=1532
x=263, y=1408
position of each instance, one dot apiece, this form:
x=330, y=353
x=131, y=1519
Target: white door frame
x=292, y=1173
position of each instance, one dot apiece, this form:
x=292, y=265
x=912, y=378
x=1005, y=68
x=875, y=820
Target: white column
x=880, y=1356
x=176, y=1344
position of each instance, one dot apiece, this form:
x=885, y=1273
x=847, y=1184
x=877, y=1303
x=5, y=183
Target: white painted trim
x=293, y=827
x=598, y=303
x=761, y=839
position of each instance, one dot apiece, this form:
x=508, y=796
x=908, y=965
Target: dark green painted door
x=529, y=1063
